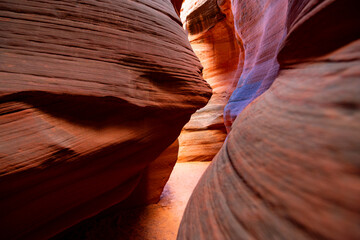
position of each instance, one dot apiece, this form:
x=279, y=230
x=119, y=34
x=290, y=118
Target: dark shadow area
x=327, y=32
x=91, y=111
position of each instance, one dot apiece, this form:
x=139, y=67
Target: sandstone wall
x=92, y=92
x=211, y=33
x=289, y=168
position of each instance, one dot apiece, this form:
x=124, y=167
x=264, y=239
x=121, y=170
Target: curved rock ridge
x=289, y=168
x=260, y=39
x=211, y=33
x=91, y=94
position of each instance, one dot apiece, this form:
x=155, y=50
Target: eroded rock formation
x=290, y=166
x=92, y=92
x=211, y=33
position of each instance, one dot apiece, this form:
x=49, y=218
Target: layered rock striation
x=289, y=168
x=91, y=94
x=211, y=33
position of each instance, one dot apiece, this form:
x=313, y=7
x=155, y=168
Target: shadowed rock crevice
x=91, y=111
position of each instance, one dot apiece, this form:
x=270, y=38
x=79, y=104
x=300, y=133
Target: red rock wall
x=289, y=168
x=211, y=33
x=92, y=92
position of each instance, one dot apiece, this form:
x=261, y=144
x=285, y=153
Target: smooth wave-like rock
x=260, y=29
x=91, y=93
x=289, y=168
x=211, y=33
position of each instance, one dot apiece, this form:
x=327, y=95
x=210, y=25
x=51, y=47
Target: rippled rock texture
x=92, y=92
x=289, y=168
x=211, y=33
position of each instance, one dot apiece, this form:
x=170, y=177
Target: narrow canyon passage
x=155, y=221
x=180, y=119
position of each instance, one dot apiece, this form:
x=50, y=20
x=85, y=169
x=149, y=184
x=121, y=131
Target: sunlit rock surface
x=290, y=166
x=212, y=36
x=92, y=92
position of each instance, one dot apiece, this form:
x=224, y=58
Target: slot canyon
x=180, y=119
